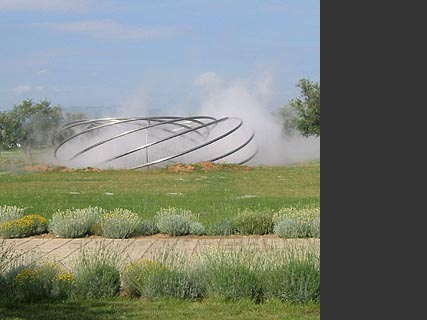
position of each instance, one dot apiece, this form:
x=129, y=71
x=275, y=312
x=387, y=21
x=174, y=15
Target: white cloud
x=47, y=5
x=24, y=88
x=108, y=29
x=42, y=71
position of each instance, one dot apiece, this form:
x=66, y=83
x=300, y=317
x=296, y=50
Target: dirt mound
x=206, y=166
x=179, y=167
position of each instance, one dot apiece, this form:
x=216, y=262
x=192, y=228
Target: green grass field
x=214, y=194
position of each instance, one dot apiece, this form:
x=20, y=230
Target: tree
x=303, y=113
x=30, y=125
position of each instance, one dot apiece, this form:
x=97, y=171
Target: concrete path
x=64, y=250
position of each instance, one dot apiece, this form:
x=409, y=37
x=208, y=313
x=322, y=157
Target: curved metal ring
x=200, y=138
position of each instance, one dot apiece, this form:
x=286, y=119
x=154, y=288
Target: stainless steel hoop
x=142, y=142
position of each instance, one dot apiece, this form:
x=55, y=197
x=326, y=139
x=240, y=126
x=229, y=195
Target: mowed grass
x=126, y=308
x=214, y=195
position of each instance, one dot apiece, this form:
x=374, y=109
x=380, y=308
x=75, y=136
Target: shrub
x=174, y=225
x=62, y=285
x=17, y=228
x=147, y=228
x=297, y=223
x=233, y=275
x=134, y=276
x=254, y=222
x=37, y=282
x=23, y=227
x=97, y=272
x=119, y=223
x=291, y=273
x=223, y=227
x=40, y=223
x=174, y=284
x=93, y=218
x=8, y=213
x=197, y=228
x=75, y=223
x=11, y=264
x=236, y=282
x=174, y=221
x=99, y=281
x=290, y=228
x=301, y=282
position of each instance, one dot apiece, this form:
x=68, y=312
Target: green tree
x=303, y=113
x=30, y=125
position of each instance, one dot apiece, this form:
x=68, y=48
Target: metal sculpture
x=143, y=142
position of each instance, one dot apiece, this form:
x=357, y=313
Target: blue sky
x=114, y=53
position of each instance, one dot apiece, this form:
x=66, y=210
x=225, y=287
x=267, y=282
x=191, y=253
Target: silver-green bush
x=75, y=223
x=297, y=223
x=174, y=284
x=119, y=223
x=174, y=225
x=97, y=272
x=147, y=228
x=8, y=213
x=174, y=221
x=197, y=228
x=254, y=222
x=290, y=228
x=224, y=227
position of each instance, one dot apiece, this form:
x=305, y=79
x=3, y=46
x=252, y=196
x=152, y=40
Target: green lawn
x=214, y=194
x=125, y=308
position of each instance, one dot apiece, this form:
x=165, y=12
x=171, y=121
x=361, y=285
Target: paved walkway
x=64, y=250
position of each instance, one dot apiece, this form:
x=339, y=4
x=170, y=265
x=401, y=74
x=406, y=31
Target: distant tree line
x=32, y=125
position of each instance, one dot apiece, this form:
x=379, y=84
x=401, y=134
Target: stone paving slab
x=65, y=250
